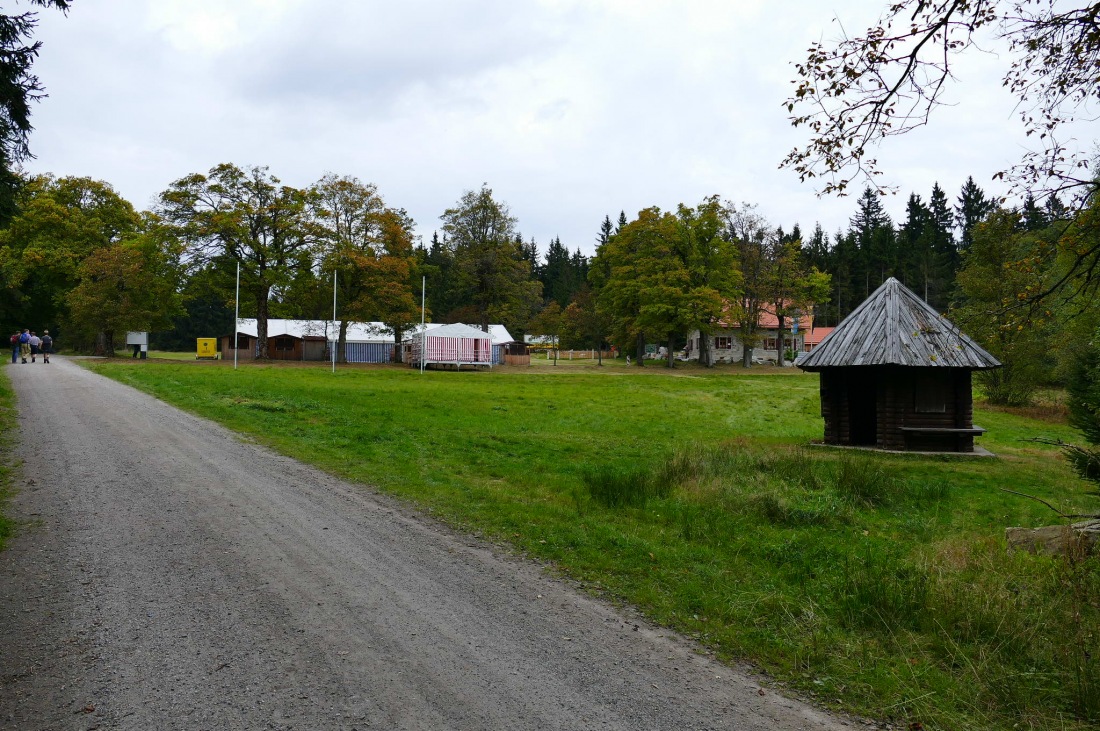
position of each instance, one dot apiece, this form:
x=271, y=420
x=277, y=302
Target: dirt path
x=176, y=577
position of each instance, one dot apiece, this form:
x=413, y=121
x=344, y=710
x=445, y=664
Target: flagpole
x=236, y=315
x=337, y=345
x=423, y=339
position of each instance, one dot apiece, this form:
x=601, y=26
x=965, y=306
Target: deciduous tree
x=489, y=267
x=794, y=287
x=1000, y=264
x=667, y=274
x=130, y=285
x=754, y=239
x=852, y=94
x=60, y=223
x=584, y=324
x=244, y=215
x=370, y=247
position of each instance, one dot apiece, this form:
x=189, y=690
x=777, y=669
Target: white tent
x=453, y=345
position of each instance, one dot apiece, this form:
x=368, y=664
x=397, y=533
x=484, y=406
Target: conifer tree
x=943, y=237
x=875, y=241
x=972, y=209
x=1032, y=215
x=606, y=232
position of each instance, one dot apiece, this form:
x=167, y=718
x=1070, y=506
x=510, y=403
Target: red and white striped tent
x=452, y=345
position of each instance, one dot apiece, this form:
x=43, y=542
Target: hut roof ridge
x=896, y=327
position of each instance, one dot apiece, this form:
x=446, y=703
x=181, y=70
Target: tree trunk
x=671, y=362
x=779, y=359
x=262, y=352
x=704, y=350
x=398, y=335
x=599, y=352
x=639, y=349
x=746, y=349
x=342, y=343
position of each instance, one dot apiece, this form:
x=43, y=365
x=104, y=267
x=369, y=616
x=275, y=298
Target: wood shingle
x=896, y=327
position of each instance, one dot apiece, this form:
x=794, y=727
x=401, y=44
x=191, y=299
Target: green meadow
x=878, y=584
x=7, y=432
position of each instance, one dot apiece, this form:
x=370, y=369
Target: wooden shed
x=506, y=349
x=895, y=374
x=286, y=340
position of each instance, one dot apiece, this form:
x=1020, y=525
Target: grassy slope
x=7, y=425
x=901, y=604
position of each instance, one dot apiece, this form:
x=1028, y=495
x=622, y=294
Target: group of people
x=27, y=343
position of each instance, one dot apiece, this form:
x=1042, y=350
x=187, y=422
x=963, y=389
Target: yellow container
x=207, y=348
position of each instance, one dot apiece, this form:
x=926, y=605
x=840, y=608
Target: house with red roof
x=814, y=337
x=726, y=346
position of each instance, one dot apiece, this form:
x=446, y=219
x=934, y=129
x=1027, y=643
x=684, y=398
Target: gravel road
x=175, y=576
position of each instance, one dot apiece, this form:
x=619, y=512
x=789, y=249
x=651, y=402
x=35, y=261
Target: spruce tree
x=1032, y=216
x=875, y=241
x=555, y=274
x=1084, y=391
x=920, y=264
x=18, y=88
x=1055, y=209
x=972, y=209
x=943, y=234
x=606, y=232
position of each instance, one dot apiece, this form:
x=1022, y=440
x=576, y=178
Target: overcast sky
x=569, y=110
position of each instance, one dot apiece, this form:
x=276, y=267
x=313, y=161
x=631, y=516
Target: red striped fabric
x=458, y=350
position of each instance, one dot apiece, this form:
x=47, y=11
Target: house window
x=242, y=342
x=930, y=394
x=723, y=343
x=770, y=343
x=284, y=344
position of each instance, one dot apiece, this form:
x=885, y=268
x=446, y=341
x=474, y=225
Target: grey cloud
x=368, y=55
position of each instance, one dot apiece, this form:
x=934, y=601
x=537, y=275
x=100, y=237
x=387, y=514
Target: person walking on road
x=25, y=344
x=36, y=345
x=47, y=346
x=15, y=346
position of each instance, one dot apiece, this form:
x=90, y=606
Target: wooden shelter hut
x=286, y=340
x=506, y=349
x=895, y=374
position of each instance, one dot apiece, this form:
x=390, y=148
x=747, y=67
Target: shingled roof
x=896, y=327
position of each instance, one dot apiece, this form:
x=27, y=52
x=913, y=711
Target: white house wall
x=735, y=353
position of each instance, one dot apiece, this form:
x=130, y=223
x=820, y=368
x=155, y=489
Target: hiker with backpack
x=47, y=346
x=25, y=344
x=15, y=346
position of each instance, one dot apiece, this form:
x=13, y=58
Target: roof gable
x=896, y=327
x=457, y=330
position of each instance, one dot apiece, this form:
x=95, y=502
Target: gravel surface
x=174, y=576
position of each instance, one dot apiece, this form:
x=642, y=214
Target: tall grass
x=1020, y=631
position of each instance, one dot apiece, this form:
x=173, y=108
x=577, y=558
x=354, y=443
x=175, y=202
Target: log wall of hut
x=899, y=408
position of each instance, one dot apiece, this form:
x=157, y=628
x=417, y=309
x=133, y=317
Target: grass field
x=7, y=427
x=875, y=583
